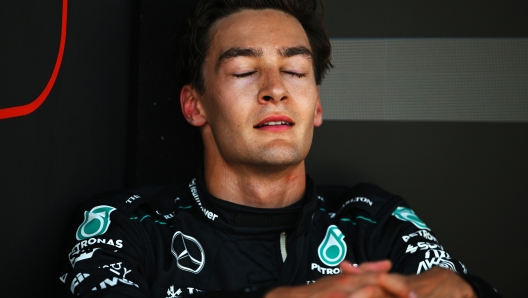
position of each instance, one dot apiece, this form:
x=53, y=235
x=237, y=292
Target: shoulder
x=119, y=219
x=127, y=210
x=157, y=199
x=362, y=199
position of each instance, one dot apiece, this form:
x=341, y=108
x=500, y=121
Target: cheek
x=229, y=112
x=308, y=102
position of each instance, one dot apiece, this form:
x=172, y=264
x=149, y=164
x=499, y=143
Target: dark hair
x=195, y=43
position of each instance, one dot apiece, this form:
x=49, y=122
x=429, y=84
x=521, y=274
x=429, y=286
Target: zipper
x=284, y=251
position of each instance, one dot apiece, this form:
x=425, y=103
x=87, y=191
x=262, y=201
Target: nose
x=272, y=88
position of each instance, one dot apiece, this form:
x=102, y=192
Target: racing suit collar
x=244, y=219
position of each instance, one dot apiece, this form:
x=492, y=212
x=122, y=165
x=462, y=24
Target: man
x=251, y=223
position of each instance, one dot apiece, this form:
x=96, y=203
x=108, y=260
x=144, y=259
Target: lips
x=275, y=121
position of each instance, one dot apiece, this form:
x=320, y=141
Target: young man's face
x=261, y=101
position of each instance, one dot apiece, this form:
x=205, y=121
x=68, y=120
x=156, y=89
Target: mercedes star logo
x=188, y=252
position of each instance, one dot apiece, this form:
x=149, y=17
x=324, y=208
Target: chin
x=280, y=157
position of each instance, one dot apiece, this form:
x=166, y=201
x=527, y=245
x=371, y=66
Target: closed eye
x=243, y=75
x=295, y=74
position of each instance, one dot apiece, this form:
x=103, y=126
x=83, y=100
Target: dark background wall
x=74, y=145
x=112, y=120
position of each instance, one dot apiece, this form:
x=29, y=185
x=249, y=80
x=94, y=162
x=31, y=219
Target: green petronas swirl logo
x=407, y=214
x=333, y=248
x=96, y=222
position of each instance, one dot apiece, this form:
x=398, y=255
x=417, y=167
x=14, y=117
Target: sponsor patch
x=324, y=270
x=82, y=250
x=83, y=255
x=79, y=278
x=96, y=222
x=440, y=262
x=407, y=214
x=116, y=269
x=423, y=233
x=188, y=252
x=355, y=200
x=107, y=283
x=440, y=258
x=194, y=191
x=423, y=246
x=333, y=248
x=172, y=292
x=132, y=199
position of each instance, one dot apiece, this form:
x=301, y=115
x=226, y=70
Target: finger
x=349, y=268
x=378, y=266
x=393, y=285
x=396, y=284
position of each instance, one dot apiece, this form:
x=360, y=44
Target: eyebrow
x=294, y=51
x=257, y=53
x=237, y=52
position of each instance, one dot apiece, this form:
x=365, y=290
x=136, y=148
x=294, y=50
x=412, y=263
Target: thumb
x=349, y=268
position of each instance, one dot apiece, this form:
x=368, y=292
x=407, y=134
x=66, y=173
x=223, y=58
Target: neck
x=255, y=187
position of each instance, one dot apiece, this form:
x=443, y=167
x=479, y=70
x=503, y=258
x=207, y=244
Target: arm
x=103, y=256
x=423, y=263
x=431, y=271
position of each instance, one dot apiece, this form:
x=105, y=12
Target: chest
x=198, y=257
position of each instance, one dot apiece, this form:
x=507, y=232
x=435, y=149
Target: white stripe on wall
x=428, y=79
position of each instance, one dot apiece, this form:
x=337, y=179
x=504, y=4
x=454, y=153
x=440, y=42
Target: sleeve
x=413, y=249
x=105, y=255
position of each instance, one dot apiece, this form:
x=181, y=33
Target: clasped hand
x=372, y=279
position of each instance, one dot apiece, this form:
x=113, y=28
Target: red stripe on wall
x=35, y=104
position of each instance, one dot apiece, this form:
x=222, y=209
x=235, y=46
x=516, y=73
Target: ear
x=191, y=106
x=318, y=114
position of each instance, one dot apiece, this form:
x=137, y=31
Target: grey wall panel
x=431, y=79
x=415, y=18
x=467, y=181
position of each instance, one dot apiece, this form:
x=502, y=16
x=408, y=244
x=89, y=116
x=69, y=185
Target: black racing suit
x=178, y=241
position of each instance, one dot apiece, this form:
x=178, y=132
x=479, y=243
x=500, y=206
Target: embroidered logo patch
x=407, y=214
x=96, y=222
x=333, y=248
x=188, y=252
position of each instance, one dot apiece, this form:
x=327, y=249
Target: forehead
x=267, y=28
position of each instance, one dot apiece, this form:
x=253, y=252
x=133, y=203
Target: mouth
x=274, y=123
